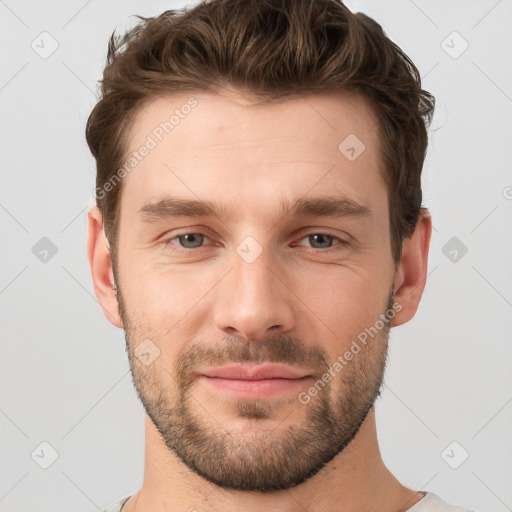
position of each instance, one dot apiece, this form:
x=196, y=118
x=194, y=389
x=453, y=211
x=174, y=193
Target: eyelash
x=168, y=241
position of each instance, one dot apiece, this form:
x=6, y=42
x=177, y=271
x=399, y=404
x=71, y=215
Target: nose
x=254, y=300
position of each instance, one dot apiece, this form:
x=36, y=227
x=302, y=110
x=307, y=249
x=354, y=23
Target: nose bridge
x=254, y=301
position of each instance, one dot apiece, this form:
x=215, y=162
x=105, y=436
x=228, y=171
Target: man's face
x=259, y=283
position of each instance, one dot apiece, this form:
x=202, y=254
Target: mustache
x=286, y=350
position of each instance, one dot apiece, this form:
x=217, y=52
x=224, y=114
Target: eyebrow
x=323, y=206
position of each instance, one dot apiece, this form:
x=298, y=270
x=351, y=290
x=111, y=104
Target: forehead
x=205, y=144
x=205, y=117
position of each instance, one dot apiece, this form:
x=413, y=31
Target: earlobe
x=100, y=263
x=411, y=274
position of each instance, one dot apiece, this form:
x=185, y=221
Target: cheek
x=342, y=305
x=155, y=289
x=168, y=305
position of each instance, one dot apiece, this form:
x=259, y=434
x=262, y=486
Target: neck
x=356, y=479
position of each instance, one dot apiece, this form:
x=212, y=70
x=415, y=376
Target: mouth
x=254, y=381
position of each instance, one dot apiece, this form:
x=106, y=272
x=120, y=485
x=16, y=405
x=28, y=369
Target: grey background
x=64, y=373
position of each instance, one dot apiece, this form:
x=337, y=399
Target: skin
x=209, y=301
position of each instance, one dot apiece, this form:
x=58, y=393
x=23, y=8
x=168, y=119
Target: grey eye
x=193, y=239
x=325, y=241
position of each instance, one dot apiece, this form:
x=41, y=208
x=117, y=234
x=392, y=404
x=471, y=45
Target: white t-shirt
x=429, y=503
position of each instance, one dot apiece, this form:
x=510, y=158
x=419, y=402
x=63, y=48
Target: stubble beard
x=259, y=458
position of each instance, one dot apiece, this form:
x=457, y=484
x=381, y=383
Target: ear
x=100, y=262
x=411, y=274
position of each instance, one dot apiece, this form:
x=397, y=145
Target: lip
x=254, y=382
x=255, y=372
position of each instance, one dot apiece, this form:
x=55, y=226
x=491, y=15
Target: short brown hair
x=274, y=49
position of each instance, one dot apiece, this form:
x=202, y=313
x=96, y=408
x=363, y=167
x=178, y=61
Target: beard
x=252, y=457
